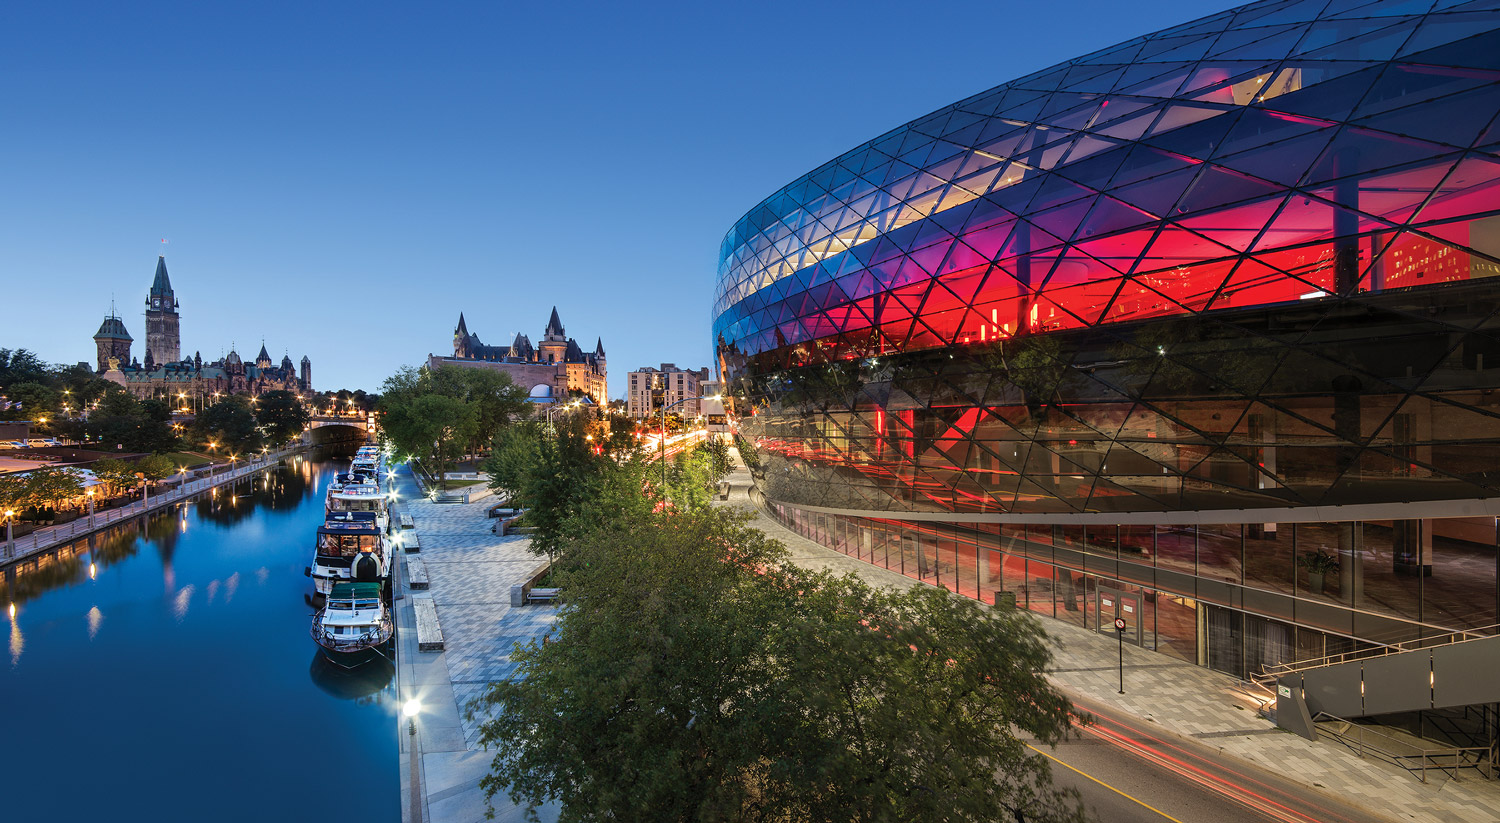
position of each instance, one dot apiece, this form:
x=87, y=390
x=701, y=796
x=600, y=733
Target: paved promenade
x=470, y=571
x=1194, y=703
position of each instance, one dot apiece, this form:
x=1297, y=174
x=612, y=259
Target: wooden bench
x=542, y=595
x=411, y=543
x=429, y=632
x=416, y=573
x=407, y=522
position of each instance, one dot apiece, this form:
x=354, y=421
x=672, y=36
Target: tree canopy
x=281, y=415
x=441, y=414
x=229, y=425
x=696, y=675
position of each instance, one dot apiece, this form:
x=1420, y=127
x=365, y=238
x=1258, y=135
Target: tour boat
x=367, y=465
x=350, y=546
x=357, y=493
x=354, y=626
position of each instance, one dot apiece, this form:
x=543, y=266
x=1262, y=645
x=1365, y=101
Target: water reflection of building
x=1205, y=340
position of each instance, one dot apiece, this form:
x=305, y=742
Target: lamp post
x=552, y=409
x=411, y=709
x=90, y=494
x=10, y=538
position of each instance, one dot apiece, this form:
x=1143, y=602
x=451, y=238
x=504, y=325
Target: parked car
x=38, y=442
x=12, y=444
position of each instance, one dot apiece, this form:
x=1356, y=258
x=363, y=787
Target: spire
x=554, y=326
x=463, y=329
x=162, y=285
x=599, y=348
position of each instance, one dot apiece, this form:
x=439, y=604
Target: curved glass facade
x=1160, y=308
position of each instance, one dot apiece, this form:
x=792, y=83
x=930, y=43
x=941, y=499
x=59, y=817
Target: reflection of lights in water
x=230, y=585
x=213, y=589
x=180, y=603
x=17, y=642
x=95, y=618
x=261, y=574
x=93, y=572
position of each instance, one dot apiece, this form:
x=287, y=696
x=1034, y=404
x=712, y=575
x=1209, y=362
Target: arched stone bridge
x=336, y=428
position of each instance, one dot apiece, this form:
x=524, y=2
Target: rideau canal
x=163, y=670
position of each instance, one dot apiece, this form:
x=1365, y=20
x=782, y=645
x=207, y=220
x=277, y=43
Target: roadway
x=1128, y=772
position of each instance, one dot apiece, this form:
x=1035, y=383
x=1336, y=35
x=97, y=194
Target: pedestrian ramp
x=1323, y=696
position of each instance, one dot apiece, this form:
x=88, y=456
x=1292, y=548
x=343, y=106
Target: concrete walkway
x=1198, y=704
x=470, y=572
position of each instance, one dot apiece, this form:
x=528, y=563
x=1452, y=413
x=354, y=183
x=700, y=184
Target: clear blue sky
x=342, y=178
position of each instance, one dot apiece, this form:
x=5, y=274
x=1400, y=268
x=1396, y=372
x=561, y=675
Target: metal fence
x=43, y=539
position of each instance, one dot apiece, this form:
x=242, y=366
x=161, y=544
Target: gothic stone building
x=166, y=374
x=549, y=369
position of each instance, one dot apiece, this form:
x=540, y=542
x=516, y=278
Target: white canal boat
x=354, y=626
x=350, y=546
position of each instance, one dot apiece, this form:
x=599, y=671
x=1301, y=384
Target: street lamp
x=410, y=710
x=90, y=494
x=552, y=409
x=10, y=541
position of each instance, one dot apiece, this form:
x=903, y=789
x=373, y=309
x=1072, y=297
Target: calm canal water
x=164, y=672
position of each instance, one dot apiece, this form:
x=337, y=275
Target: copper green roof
x=113, y=328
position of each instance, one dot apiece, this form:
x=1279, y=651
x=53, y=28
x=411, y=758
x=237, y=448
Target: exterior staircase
x=1325, y=696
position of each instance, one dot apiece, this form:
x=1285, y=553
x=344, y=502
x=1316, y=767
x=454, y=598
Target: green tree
x=696, y=676
x=281, y=415
x=47, y=486
x=21, y=366
x=451, y=422
x=156, y=467
x=558, y=478
x=37, y=400
x=230, y=425
x=116, y=475
x=719, y=462
x=12, y=492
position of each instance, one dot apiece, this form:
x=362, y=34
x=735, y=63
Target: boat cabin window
x=357, y=603
x=346, y=545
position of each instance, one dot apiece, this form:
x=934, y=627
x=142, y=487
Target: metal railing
x=1272, y=673
x=52, y=536
x=1368, y=740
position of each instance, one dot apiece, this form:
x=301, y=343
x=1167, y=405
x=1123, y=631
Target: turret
x=112, y=341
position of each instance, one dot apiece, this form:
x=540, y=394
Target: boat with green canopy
x=354, y=626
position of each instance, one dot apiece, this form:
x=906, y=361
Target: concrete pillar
x=1352, y=563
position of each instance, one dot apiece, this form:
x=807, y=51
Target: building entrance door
x=1117, y=604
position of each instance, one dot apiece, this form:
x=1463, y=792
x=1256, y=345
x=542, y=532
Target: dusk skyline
x=376, y=170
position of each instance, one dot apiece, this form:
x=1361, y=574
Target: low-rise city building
x=650, y=389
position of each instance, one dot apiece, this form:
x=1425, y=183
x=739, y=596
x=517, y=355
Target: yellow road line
x=1105, y=785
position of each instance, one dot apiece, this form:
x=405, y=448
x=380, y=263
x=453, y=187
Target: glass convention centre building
x=1199, y=330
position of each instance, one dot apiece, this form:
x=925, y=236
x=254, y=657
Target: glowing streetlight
x=410, y=711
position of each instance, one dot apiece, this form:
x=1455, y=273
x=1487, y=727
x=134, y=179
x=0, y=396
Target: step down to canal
x=416, y=571
x=429, y=633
